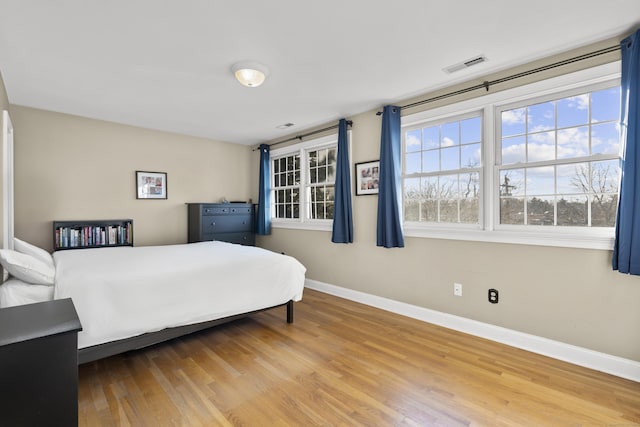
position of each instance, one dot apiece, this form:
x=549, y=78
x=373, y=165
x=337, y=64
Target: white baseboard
x=614, y=365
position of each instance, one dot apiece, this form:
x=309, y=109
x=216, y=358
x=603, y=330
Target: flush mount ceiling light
x=249, y=73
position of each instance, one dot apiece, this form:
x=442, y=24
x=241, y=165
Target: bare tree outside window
x=568, y=149
x=593, y=200
x=442, y=172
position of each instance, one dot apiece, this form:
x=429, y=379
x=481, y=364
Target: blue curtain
x=626, y=250
x=264, y=193
x=342, y=216
x=389, y=231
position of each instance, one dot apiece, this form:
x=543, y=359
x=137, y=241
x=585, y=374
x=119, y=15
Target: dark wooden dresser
x=39, y=364
x=228, y=222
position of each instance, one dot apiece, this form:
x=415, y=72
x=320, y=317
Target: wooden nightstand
x=39, y=364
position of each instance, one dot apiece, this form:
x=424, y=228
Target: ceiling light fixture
x=250, y=73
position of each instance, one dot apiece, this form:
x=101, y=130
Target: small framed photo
x=367, y=176
x=151, y=185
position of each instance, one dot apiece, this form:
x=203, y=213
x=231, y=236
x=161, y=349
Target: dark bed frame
x=100, y=351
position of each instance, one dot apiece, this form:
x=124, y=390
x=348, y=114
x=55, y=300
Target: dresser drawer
x=215, y=211
x=240, y=211
x=239, y=238
x=226, y=210
x=226, y=223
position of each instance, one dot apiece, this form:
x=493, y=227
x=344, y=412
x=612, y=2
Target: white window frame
x=302, y=148
x=459, y=116
x=489, y=229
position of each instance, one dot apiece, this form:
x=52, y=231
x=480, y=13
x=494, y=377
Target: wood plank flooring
x=346, y=364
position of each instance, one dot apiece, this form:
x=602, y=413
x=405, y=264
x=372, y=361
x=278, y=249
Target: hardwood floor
x=343, y=363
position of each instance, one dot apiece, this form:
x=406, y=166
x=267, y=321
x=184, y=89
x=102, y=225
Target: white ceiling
x=166, y=64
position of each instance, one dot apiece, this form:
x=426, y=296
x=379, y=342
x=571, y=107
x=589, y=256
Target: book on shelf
x=84, y=234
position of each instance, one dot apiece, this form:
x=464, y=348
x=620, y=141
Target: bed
x=132, y=297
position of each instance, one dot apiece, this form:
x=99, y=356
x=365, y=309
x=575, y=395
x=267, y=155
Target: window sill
x=318, y=225
x=599, y=239
x=593, y=239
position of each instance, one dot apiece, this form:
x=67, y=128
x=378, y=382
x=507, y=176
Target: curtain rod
x=293, y=138
x=487, y=83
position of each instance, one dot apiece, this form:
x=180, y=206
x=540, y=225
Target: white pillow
x=29, y=249
x=27, y=268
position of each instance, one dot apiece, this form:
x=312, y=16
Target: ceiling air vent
x=465, y=64
x=285, y=126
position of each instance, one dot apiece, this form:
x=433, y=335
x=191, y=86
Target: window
x=537, y=164
x=321, y=182
x=559, y=161
x=286, y=186
x=303, y=181
x=442, y=167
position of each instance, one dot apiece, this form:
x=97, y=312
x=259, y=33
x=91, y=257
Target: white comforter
x=126, y=291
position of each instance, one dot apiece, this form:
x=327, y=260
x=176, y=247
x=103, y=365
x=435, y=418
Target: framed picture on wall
x=151, y=185
x=367, y=175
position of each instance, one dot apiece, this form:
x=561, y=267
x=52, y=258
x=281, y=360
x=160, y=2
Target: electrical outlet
x=457, y=289
x=493, y=296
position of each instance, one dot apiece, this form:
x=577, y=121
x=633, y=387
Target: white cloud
x=581, y=102
x=541, y=152
x=542, y=138
x=513, y=116
x=513, y=154
x=540, y=128
x=448, y=142
x=412, y=140
x=573, y=142
x=607, y=144
x=541, y=146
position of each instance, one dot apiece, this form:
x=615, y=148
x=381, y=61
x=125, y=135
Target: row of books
x=85, y=236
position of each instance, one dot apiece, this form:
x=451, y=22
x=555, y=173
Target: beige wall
x=568, y=295
x=68, y=167
x=4, y=105
x=4, y=101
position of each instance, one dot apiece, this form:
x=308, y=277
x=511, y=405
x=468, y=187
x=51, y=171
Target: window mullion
x=590, y=192
x=554, y=200
x=304, y=187
x=489, y=197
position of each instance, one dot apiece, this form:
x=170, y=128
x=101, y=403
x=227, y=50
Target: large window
x=303, y=181
x=559, y=161
x=442, y=166
x=538, y=164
